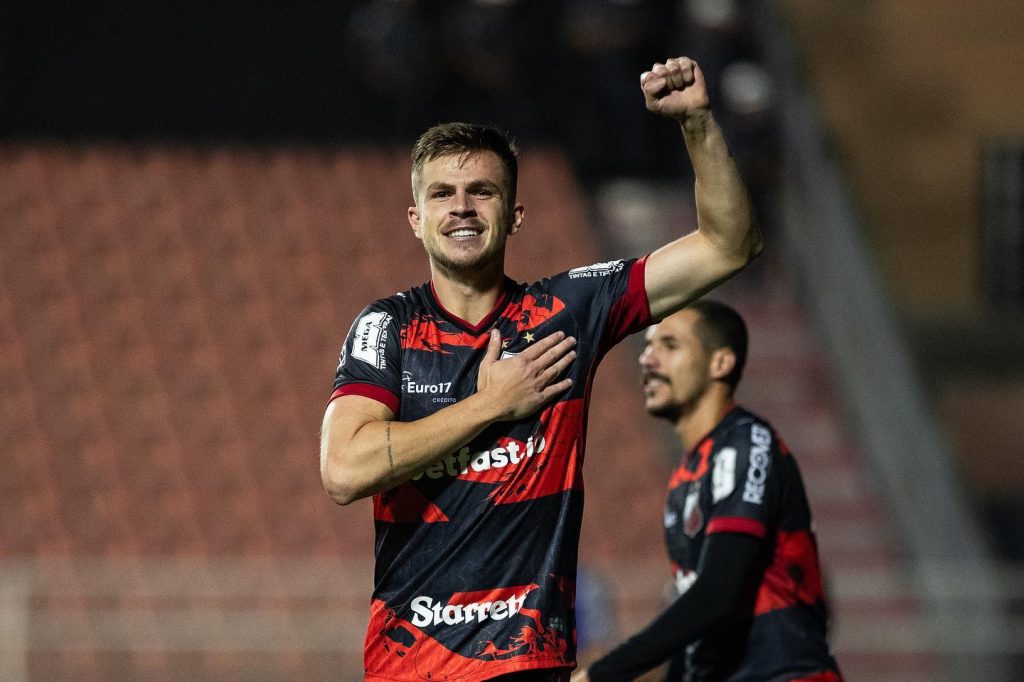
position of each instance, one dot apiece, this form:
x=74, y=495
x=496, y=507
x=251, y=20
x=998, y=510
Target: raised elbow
x=743, y=253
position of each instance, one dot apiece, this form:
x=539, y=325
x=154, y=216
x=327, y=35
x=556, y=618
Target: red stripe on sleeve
x=737, y=524
x=372, y=391
x=632, y=312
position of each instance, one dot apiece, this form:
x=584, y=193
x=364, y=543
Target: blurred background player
x=737, y=524
x=436, y=410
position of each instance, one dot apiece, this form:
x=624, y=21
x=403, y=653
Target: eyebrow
x=470, y=186
x=483, y=184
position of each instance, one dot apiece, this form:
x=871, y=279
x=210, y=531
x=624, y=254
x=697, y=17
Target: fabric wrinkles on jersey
x=741, y=478
x=476, y=556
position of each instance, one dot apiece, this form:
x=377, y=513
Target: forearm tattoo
x=391, y=459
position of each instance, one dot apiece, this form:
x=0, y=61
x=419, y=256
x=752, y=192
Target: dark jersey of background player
x=510, y=500
x=471, y=452
x=737, y=525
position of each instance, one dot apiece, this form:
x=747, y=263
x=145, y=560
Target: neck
x=470, y=296
x=693, y=425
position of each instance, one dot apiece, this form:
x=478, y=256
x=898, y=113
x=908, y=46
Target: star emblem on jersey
x=529, y=337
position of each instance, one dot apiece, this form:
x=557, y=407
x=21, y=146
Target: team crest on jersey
x=693, y=518
x=370, y=339
x=597, y=269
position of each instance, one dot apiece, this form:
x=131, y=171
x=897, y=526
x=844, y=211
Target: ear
x=722, y=363
x=414, y=221
x=517, y=217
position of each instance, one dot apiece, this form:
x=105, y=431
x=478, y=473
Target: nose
x=462, y=205
x=647, y=358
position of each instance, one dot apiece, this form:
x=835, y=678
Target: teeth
x=463, y=233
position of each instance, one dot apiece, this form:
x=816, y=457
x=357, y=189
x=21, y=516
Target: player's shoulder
x=402, y=302
x=743, y=426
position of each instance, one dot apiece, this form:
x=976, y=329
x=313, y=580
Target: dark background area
x=375, y=72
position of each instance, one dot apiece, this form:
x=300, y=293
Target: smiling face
x=464, y=211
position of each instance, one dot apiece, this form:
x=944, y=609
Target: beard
x=673, y=408
x=668, y=411
x=441, y=259
x=666, y=408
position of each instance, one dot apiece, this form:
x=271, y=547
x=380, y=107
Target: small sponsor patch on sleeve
x=723, y=478
x=597, y=269
x=370, y=339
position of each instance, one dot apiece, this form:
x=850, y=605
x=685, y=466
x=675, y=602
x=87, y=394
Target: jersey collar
x=488, y=319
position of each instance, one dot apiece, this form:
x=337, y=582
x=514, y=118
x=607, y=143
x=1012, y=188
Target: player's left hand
x=675, y=89
x=580, y=676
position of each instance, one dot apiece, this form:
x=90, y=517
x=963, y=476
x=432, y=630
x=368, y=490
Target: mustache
x=644, y=377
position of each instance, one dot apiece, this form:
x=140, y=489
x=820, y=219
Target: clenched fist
x=675, y=89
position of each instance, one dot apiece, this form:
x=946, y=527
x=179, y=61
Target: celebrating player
x=460, y=405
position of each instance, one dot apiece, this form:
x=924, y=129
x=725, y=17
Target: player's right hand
x=519, y=385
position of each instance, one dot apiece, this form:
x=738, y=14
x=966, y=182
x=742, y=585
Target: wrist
x=484, y=408
x=696, y=121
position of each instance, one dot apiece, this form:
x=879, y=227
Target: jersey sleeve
x=630, y=311
x=369, y=364
x=609, y=298
x=744, y=482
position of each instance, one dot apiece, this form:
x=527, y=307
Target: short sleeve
x=610, y=299
x=630, y=311
x=743, y=486
x=370, y=360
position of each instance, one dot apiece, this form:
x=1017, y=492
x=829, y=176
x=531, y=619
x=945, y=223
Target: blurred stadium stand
x=195, y=204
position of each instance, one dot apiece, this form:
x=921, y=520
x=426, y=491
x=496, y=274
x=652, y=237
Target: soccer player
x=737, y=524
x=460, y=404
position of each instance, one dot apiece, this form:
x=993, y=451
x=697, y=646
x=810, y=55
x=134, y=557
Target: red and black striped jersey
x=476, y=556
x=741, y=478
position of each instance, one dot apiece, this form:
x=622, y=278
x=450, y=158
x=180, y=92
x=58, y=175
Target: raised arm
x=726, y=238
x=364, y=451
